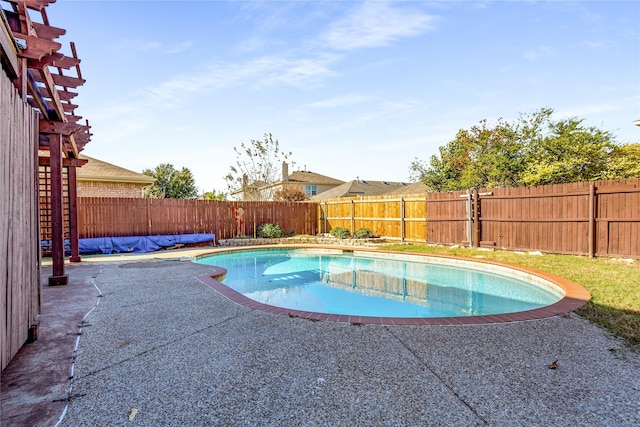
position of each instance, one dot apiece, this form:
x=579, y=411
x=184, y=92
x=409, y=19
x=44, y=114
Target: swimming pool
x=379, y=285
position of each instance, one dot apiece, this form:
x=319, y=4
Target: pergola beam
x=37, y=48
x=47, y=31
x=38, y=5
x=58, y=60
x=63, y=95
x=58, y=127
x=38, y=97
x=66, y=162
x=36, y=58
x=67, y=81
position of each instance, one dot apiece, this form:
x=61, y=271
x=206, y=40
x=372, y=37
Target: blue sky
x=351, y=88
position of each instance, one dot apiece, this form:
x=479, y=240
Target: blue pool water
x=371, y=284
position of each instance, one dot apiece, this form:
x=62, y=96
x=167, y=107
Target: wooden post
x=149, y=224
x=476, y=219
x=426, y=217
x=352, y=213
x=402, y=223
x=74, y=236
x=324, y=218
x=57, y=212
x=469, y=218
x=592, y=220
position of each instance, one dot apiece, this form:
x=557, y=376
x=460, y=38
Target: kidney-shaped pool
x=366, y=285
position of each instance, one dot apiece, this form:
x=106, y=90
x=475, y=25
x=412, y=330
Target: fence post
x=324, y=218
x=469, y=218
x=476, y=218
x=402, y=223
x=352, y=213
x=148, y=204
x=592, y=219
x=426, y=217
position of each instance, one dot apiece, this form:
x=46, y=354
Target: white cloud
x=340, y=101
x=177, y=47
x=537, y=53
x=376, y=23
x=594, y=44
x=258, y=72
x=299, y=71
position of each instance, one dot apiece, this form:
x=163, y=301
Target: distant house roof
x=304, y=177
x=414, y=188
x=97, y=170
x=358, y=188
x=308, y=177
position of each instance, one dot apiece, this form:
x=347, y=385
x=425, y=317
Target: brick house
x=101, y=179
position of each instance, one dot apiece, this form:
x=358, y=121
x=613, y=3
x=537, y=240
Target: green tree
x=568, y=152
x=258, y=165
x=482, y=156
x=535, y=150
x=625, y=162
x=214, y=195
x=171, y=183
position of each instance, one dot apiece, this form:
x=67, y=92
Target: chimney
x=285, y=172
x=245, y=181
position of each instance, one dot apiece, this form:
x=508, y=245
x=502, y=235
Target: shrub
x=363, y=233
x=340, y=232
x=290, y=194
x=270, y=231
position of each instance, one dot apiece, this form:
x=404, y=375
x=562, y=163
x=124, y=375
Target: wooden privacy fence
x=112, y=217
x=597, y=219
x=589, y=218
x=431, y=217
x=19, y=256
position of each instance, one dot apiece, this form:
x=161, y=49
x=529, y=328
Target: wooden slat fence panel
x=334, y=213
x=104, y=216
x=114, y=217
x=378, y=214
x=19, y=223
x=447, y=218
x=618, y=218
x=415, y=213
x=431, y=218
x=557, y=218
x=550, y=219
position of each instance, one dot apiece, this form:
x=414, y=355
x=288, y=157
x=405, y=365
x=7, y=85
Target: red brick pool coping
x=575, y=296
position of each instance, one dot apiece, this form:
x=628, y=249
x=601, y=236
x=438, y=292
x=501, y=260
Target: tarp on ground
x=139, y=244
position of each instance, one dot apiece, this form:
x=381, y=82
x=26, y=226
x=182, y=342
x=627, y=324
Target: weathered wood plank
x=20, y=283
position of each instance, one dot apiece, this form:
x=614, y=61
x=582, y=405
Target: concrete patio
x=161, y=348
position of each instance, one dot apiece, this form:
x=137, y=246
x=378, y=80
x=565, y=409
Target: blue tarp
x=139, y=244
x=46, y=245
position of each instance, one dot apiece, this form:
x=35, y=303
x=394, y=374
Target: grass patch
x=614, y=285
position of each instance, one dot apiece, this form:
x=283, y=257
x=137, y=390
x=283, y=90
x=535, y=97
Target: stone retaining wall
x=302, y=240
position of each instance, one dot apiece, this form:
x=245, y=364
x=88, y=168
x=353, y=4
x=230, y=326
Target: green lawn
x=614, y=285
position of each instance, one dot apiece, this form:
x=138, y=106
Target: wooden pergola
x=47, y=79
